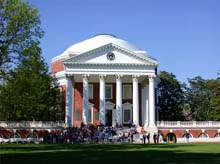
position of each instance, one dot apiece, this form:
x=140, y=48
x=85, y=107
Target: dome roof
x=95, y=42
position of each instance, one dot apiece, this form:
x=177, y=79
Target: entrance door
x=108, y=117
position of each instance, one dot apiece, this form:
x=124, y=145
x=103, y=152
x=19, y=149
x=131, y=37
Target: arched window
x=217, y=135
x=203, y=135
x=184, y=135
x=15, y=135
x=171, y=138
x=32, y=136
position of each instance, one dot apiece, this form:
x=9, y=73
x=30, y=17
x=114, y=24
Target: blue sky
x=183, y=35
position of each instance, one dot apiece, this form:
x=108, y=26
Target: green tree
x=19, y=28
x=30, y=92
x=203, y=97
x=170, y=97
x=27, y=91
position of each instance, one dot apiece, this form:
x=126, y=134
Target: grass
x=118, y=153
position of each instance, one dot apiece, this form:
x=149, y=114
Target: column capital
x=85, y=76
x=102, y=77
x=151, y=77
x=68, y=76
x=135, y=77
x=118, y=76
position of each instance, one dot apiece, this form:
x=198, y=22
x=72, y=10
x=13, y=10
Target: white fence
x=58, y=124
x=32, y=124
x=188, y=124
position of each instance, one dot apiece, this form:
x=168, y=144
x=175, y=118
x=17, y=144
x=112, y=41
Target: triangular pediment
x=111, y=54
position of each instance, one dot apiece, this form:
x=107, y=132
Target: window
x=15, y=135
x=97, y=115
x=184, y=135
x=90, y=91
x=127, y=115
x=32, y=135
x=203, y=135
x=127, y=91
x=78, y=115
x=217, y=135
x=90, y=114
x=108, y=91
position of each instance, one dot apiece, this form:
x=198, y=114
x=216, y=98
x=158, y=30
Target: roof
x=95, y=42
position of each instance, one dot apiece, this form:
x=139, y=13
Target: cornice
x=133, y=54
x=104, y=64
x=110, y=47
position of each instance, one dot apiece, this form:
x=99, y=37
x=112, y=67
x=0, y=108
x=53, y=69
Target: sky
x=183, y=35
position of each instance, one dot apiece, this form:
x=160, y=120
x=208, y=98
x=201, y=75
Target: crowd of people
x=89, y=134
x=98, y=134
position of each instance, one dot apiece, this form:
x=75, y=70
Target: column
x=69, y=101
x=147, y=105
x=85, y=98
x=119, y=99
x=135, y=101
x=143, y=105
x=151, y=101
x=102, y=99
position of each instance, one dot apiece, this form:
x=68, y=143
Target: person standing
x=148, y=137
x=155, y=138
x=187, y=135
x=144, y=137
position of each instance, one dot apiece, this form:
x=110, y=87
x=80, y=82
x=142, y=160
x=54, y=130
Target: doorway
x=108, y=117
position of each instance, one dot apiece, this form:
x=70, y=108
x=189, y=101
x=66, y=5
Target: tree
x=27, y=90
x=30, y=92
x=203, y=97
x=19, y=28
x=170, y=97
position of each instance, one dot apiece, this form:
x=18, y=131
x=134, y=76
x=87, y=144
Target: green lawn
x=119, y=153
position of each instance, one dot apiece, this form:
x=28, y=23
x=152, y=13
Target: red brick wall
x=78, y=104
x=78, y=100
x=164, y=132
x=95, y=101
x=6, y=133
x=211, y=133
x=57, y=66
x=195, y=132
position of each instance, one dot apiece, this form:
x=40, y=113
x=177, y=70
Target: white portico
x=109, y=81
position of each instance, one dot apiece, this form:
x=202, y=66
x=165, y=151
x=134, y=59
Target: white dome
x=95, y=42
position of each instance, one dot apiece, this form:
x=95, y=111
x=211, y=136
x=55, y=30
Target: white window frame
x=108, y=85
x=91, y=94
x=127, y=106
x=91, y=110
x=126, y=85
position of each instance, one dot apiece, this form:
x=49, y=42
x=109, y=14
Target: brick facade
x=57, y=66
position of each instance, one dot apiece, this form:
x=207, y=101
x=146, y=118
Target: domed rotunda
x=106, y=80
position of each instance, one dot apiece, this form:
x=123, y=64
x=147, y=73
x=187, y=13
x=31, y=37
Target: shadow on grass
x=129, y=154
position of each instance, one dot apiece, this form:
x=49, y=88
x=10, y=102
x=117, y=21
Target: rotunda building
x=106, y=80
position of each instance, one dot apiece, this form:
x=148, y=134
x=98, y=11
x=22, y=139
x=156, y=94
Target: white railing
x=32, y=124
x=188, y=124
